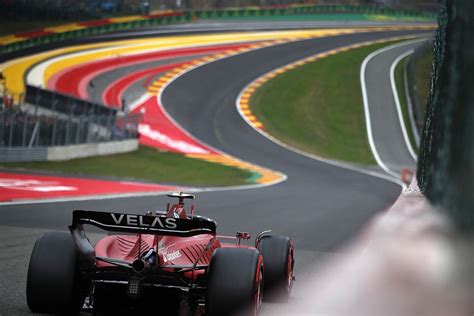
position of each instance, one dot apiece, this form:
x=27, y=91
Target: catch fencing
x=47, y=119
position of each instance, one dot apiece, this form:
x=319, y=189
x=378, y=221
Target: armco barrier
x=65, y=104
x=49, y=119
x=24, y=40
x=60, y=153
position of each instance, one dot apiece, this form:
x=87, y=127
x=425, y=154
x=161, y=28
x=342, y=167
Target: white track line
x=397, y=102
x=366, y=104
x=83, y=198
x=284, y=177
x=231, y=188
x=411, y=114
x=136, y=195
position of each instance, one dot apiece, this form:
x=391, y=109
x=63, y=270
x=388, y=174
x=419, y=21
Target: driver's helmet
x=176, y=212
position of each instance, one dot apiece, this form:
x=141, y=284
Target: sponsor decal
x=161, y=245
x=138, y=221
x=34, y=185
x=171, y=256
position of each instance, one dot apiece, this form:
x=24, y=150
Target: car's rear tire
x=52, y=283
x=277, y=252
x=235, y=282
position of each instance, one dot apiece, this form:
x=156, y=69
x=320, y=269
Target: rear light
x=133, y=289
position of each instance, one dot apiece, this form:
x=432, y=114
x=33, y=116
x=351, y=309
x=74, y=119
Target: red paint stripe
x=163, y=15
x=74, y=80
x=113, y=93
x=158, y=131
x=95, y=23
x=15, y=186
x=33, y=34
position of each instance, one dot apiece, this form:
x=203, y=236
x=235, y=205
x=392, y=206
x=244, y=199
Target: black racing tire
x=277, y=252
x=53, y=278
x=235, y=282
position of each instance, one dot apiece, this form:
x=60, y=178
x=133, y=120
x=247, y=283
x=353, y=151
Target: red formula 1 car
x=169, y=263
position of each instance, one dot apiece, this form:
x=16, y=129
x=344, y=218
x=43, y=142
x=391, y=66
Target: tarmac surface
x=386, y=128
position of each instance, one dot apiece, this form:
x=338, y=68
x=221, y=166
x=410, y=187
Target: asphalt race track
x=320, y=206
x=387, y=131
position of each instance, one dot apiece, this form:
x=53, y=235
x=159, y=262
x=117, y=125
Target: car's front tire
x=235, y=284
x=53, y=280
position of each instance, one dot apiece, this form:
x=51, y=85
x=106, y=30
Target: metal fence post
x=78, y=129
x=34, y=138
x=23, y=136
x=2, y=127
x=38, y=133
x=10, y=136
x=88, y=125
x=68, y=124
x=37, y=101
x=112, y=129
x=127, y=131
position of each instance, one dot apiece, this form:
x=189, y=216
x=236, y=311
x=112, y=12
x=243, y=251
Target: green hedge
x=113, y=27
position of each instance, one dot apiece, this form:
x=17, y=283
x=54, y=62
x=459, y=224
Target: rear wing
x=144, y=224
x=135, y=224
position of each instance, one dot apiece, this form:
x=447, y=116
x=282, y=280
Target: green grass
x=318, y=108
x=400, y=83
x=422, y=79
x=146, y=164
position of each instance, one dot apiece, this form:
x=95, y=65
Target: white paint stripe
x=87, y=197
x=135, y=195
x=411, y=114
x=393, y=177
x=397, y=102
x=231, y=188
x=367, y=109
x=35, y=76
x=141, y=101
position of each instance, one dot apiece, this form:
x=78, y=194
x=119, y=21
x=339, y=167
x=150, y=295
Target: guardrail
x=24, y=40
x=65, y=104
x=19, y=128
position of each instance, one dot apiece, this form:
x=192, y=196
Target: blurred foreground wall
x=446, y=160
x=417, y=258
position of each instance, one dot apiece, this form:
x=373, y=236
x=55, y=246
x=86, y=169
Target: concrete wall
x=59, y=153
x=15, y=154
